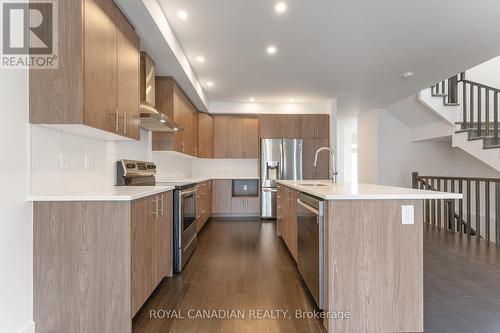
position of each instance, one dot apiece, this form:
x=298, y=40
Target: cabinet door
x=269, y=126
x=250, y=138
x=309, y=150
x=209, y=198
x=222, y=193
x=323, y=126
x=164, y=237
x=315, y=126
x=280, y=209
x=238, y=205
x=221, y=134
x=206, y=136
x=128, y=77
x=252, y=205
x=100, y=73
x=194, y=151
x=291, y=126
x=323, y=159
x=143, y=251
x=235, y=137
x=165, y=104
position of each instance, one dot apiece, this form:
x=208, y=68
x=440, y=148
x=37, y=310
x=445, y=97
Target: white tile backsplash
x=66, y=162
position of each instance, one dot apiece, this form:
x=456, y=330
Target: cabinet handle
x=155, y=212
x=125, y=123
x=117, y=120
x=161, y=205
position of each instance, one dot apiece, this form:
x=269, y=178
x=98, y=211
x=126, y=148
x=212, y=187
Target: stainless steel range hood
x=152, y=119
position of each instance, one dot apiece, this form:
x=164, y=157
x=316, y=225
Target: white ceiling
x=352, y=50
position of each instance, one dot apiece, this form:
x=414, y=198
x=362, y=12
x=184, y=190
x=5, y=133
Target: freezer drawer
x=268, y=202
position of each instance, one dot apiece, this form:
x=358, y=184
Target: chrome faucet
x=332, y=171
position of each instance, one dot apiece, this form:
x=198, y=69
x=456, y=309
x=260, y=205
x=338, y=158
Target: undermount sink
x=315, y=184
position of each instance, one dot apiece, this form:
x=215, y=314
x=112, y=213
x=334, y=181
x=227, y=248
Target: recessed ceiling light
x=200, y=59
x=182, y=14
x=251, y=99
x=210, y=83
x=271, y=49
x=292, y=100
x=280, y=7
x=407, y=75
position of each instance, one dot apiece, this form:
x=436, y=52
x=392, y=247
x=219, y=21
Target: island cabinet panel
x=236, y=137
x=173, y=102
x=206, y=136
x=82, y=265
x=103, y=259
x=96, y=85
x=287, y=218
x=369, y=246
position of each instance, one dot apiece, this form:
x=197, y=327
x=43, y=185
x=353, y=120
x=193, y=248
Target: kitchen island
x=372, y=262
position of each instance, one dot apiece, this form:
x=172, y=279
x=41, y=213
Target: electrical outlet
x=245, y=187
x=407, y=214
x=64, y=161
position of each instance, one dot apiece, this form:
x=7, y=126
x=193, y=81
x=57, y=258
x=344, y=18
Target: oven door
x=187, y=216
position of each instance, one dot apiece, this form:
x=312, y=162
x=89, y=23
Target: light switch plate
x=408, y=214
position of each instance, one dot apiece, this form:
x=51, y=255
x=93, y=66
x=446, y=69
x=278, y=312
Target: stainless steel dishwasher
x=310, y=216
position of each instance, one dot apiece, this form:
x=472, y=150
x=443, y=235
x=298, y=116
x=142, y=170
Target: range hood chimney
x=151, y=119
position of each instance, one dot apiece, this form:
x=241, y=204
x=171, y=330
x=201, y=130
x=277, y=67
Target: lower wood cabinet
x=99, y=258
x=204, y=204
x=287, y=217
x=151, y=245
x=225, y=204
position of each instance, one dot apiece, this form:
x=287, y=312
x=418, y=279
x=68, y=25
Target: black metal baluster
x=452, y=203
x=478, y=209
x=469, y=213
x=495, y=120
x=497, y=212
x=471, y=110
x=487, y=209
x=460, y=207
x=464, y=105
x=438, y=187
x=487, y=113
x=479, y=99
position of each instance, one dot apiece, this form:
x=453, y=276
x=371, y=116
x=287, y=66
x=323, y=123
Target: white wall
x=16, y=232
x=265, y=108
x=487, y=73
x=388, y=157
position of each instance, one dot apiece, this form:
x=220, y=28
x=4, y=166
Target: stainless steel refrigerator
x=280, y=159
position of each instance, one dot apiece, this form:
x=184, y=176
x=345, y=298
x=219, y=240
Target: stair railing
x=481, y=198
x=480, y=112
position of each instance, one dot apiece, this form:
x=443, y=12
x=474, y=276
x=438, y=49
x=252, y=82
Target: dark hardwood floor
x=243, y=265
x=461, y=284
x=238, y=265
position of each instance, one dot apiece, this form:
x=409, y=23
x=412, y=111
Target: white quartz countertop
x=116, y=193
x=360, y=191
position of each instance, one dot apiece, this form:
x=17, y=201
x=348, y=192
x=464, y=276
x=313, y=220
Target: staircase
x=473, y=109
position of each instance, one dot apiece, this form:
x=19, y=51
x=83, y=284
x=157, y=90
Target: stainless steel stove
x=140, y=173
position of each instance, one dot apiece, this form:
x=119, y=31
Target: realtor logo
x=29, y=34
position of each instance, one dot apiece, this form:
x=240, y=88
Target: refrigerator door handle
x=282, y=160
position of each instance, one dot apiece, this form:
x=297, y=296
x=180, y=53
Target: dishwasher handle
x=309, y=208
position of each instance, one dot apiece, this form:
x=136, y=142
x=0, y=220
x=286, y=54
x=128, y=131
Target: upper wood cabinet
x=309, y=152
x=171, y=101
x=96, y=83
x=205, y=135
x=236, y=137
x=294, y=126
x=315, y=126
